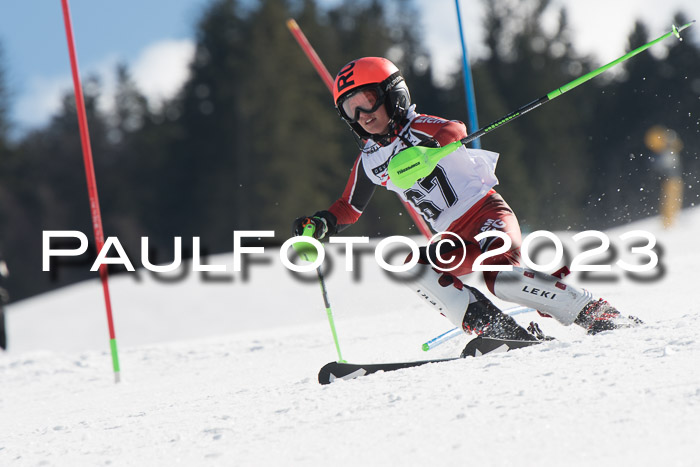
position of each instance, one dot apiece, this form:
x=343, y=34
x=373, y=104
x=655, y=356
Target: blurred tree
x=297, y=136
x=252, y=140
x=202, y=168
x=655, y=88
x=48, y=192
x=259, y=132
x=682, y=115
x=624, y=105
x=544, y=165
x=129, y=193
x=130, y=108
x=4, y=104
x=7, y=203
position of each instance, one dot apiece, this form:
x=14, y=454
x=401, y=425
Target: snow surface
x=224, y=373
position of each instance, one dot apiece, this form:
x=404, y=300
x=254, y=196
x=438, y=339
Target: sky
x=156, y=39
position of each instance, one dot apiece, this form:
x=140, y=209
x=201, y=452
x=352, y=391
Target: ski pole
x=304, y=250
x=417, y=162
x=454, y=332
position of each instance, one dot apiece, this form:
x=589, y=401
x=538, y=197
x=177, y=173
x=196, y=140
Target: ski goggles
x=367, y=100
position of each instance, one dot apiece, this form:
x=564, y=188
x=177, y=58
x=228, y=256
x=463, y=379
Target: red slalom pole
x=91, y=182
x=328, y=80
x=310, y=53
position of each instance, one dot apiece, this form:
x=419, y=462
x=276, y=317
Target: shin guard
x=444, y=292
x=541, y=291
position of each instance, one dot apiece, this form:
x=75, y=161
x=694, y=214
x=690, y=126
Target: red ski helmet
x=382, y=83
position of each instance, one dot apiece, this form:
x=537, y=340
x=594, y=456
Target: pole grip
x=306, y=250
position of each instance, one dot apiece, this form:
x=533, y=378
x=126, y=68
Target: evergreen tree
x=252, y=139
x=544, y=163
x=130, y=191
x=203, y=169
x=653, y=90
x=683, y=117
x=48, y=192
x=4, y=105
x=297, y=136
x=5, y=156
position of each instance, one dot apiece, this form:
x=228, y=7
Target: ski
x=476, y=347
x=483, y=345
x=335, y=370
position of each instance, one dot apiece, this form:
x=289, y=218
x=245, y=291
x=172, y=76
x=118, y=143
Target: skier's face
x=366, y=107
x=376, y=123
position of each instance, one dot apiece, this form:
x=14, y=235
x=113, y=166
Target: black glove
x=324, y=221
x=429, y=143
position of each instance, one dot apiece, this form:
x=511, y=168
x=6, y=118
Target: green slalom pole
x=417, y=162
x=308, y=253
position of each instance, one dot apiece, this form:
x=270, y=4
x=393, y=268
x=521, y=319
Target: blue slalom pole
x=444, y=337
x=473, y=123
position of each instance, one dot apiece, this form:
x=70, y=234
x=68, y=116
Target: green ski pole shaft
x=569, y=86
x=329, y=313
x=303, y=251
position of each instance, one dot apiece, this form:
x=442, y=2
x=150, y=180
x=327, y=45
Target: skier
x=458, y=197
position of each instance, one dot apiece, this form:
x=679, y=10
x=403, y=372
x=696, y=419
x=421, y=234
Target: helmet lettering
x=344, y=76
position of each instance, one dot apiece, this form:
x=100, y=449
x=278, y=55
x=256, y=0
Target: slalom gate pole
x=417, y=162
x=454, y=332
x=304, y=250
x=310, y=53
x=91, y=182
x=328, y=80
x=468, y=82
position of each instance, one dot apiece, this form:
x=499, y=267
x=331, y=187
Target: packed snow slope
x=224, y=373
